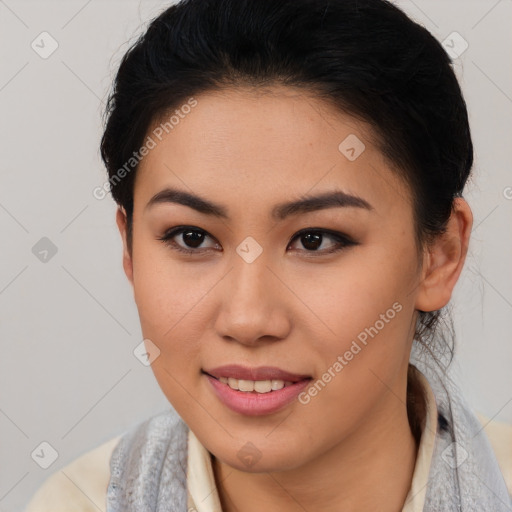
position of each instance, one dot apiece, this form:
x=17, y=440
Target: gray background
x=68, y=325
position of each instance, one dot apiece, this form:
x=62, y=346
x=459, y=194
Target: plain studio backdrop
x=68, y=323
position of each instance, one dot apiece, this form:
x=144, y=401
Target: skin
x=351, y=447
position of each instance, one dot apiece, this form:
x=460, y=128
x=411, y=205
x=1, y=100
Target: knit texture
x=149, y=464
x=464, y=473
x=148, y=467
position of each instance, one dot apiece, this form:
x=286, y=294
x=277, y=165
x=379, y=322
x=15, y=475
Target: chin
x=251, y=459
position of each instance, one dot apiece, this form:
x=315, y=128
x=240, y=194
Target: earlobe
x=121, y=221
x=444, y=260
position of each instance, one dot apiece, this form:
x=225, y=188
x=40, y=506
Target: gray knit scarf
x=149, y=464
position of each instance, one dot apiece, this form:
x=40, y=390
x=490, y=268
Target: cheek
x=164, y=290
x=170, y=300
x=363, y=311
x=364, y=353
x=171, y=311
x=350, y=297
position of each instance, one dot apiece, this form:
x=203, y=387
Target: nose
x=253, y=307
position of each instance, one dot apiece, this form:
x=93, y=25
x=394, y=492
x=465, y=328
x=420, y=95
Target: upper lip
x=236, y=371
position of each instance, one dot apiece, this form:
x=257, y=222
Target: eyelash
x=343, y=241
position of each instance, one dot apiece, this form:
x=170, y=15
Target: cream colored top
x=82, y=485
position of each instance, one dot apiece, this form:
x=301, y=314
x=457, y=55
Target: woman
x=289, y=176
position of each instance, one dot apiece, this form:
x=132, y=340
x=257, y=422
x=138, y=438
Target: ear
x=444, y=259
x=127, y=257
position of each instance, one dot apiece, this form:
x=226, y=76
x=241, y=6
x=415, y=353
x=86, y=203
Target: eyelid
x=332, y=233
x=340, y=237
x=169, y=234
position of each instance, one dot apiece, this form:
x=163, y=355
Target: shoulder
x=500, y=437
x=81, y=486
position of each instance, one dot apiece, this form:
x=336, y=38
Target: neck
x=369, y=470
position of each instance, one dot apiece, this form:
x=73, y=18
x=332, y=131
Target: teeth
x=277, y=384
x=245, y=385
x=259, y=386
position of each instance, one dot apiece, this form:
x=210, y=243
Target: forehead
x=260, y=145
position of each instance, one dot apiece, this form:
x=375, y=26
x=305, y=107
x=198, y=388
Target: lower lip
x=255, y=404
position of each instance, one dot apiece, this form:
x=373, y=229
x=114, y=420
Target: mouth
x=255, y=391
x=253, y=386
x=260, y=374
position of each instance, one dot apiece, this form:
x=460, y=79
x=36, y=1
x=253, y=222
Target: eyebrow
x=306, y=204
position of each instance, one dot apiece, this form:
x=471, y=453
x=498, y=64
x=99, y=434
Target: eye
x=313, y=240
x=191, y=236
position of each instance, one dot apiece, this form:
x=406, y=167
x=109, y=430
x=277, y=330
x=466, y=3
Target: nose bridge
x=251, y=305
x=251, y=279
x=251, y=275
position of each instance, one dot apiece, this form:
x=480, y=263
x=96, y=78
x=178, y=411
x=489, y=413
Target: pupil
x=312, y=240
x=195, y=240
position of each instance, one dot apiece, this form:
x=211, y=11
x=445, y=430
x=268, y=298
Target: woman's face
x=335, y=303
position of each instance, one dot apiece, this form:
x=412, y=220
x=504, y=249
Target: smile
x=255, y=386
x=255, y=397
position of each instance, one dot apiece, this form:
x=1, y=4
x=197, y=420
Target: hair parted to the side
x=364, y=57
